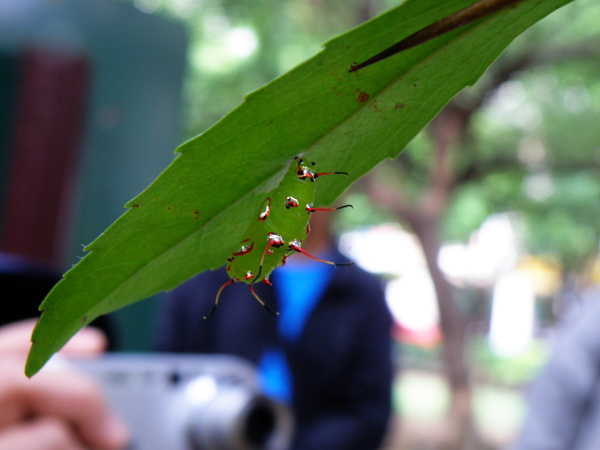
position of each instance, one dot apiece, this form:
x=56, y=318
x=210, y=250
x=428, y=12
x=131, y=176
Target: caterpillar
x=277, y=231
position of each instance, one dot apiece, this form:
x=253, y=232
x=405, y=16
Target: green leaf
x=193, y=215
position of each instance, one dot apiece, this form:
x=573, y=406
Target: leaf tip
x=34, y=362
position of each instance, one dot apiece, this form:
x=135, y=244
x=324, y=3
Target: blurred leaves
x=532, y=146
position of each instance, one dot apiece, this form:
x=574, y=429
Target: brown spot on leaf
x=362, y=97
x=135, y=205
x=399, y=106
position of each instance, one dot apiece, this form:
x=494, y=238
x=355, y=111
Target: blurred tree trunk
x=424, y=215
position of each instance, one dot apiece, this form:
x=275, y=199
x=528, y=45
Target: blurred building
x=90, y=100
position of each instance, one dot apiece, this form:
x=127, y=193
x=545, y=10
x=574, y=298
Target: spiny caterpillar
x=279, y=229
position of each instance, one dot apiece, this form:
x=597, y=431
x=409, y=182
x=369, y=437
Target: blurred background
x=485, y=231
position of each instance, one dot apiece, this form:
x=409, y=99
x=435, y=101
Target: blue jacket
x=341, y=365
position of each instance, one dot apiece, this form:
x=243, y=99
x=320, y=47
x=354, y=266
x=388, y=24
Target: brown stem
x=459, y=19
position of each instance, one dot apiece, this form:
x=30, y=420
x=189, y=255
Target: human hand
x=57, y=409
x=15, y=339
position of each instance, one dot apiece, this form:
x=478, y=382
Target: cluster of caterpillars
x=280, y=228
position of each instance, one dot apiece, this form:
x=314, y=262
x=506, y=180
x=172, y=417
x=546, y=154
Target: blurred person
x=328, y=353
x=564, y=400
x=59, y=408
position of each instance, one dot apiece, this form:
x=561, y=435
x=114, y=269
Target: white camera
x=191, y=402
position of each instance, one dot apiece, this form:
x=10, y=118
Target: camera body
x=191, y=402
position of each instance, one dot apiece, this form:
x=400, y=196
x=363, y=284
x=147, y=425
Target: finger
x=70, y=395
x=89, y=341
x=43, y=433
x=64, y=393
x=16, y=338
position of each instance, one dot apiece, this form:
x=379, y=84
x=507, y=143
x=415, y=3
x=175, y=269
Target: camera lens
x=236, y=417
x=260, y=425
